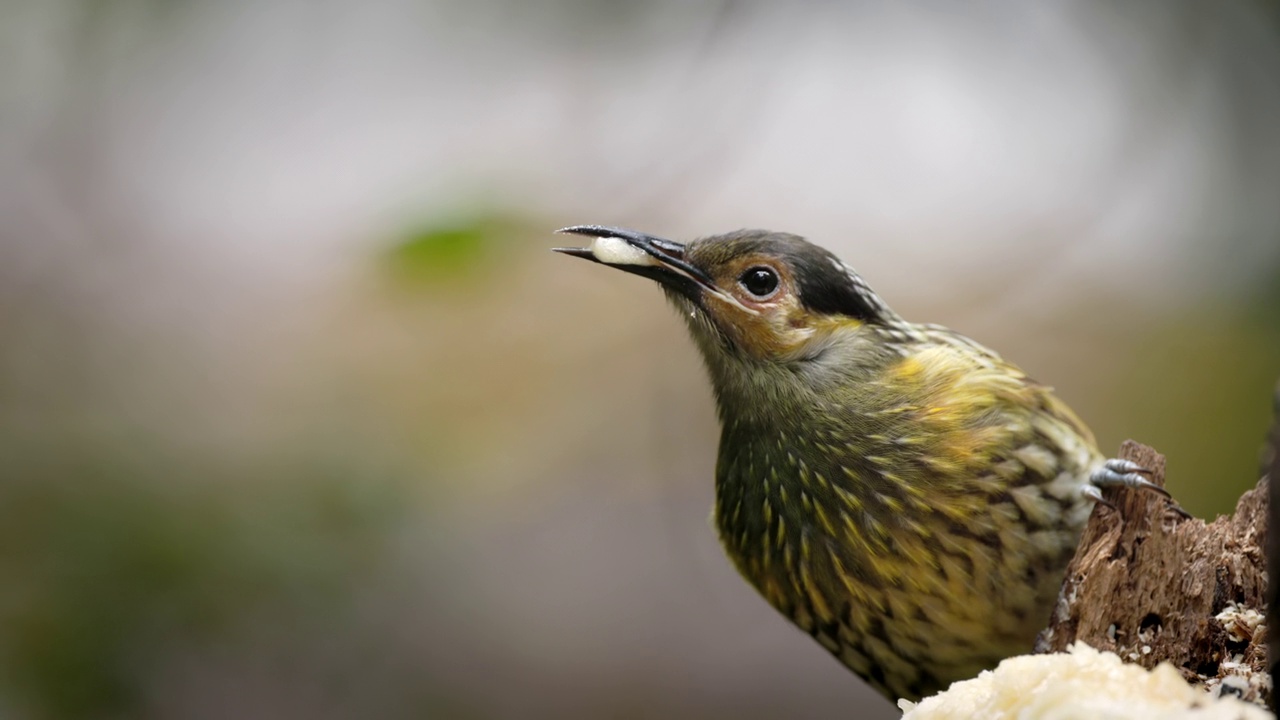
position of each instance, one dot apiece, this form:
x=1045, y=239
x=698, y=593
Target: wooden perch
x=1151, y=586
x=1271, y=467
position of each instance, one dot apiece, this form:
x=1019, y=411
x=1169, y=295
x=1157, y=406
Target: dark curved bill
x=584, y=253
x=650, y=257
x=667, y=252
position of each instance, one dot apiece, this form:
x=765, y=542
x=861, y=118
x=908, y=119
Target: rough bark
x=1271, y=469
x=1154, y=586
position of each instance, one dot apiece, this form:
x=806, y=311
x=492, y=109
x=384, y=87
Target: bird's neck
x=776, y=393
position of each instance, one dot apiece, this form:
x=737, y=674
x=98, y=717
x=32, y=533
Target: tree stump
x=1271, y=469
x=1152, y=586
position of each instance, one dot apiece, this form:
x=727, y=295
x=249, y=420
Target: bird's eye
x=762, y=282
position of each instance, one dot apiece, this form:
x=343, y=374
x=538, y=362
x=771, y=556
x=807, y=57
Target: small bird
x=900, y=492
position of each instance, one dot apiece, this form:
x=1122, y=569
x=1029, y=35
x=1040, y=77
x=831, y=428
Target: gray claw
x=1124, y=473
x=1095, y=494
x=1122, y=466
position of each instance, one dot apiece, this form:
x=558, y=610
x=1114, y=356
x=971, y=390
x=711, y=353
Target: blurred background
x=299, y=418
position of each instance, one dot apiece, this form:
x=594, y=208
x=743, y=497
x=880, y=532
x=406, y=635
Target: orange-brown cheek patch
x=783, y=332
x=758, y=337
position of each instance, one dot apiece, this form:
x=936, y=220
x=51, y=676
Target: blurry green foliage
x=110, y=567
x=443, y=249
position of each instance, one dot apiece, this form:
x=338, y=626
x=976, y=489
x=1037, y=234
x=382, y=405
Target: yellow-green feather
x=916, y=517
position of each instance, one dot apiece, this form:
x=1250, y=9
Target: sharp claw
x=1125, y=473
x=1117, y=472
x=1121, y=466
x=1094, y=492
x=1148, y=485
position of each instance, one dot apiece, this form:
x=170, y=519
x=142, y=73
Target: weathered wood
x=1153, y=586
x=1271, y=470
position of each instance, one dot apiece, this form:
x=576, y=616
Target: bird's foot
x=1125, y=473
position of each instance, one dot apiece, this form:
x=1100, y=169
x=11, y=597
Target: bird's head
x=751, y=295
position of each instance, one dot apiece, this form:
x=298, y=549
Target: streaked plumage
x=900, y=492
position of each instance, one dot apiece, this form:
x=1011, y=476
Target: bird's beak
x=644, y=255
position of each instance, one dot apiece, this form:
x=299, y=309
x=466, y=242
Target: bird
x=899, y=491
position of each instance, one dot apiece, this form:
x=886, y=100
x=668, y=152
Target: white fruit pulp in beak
x=616, y=251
